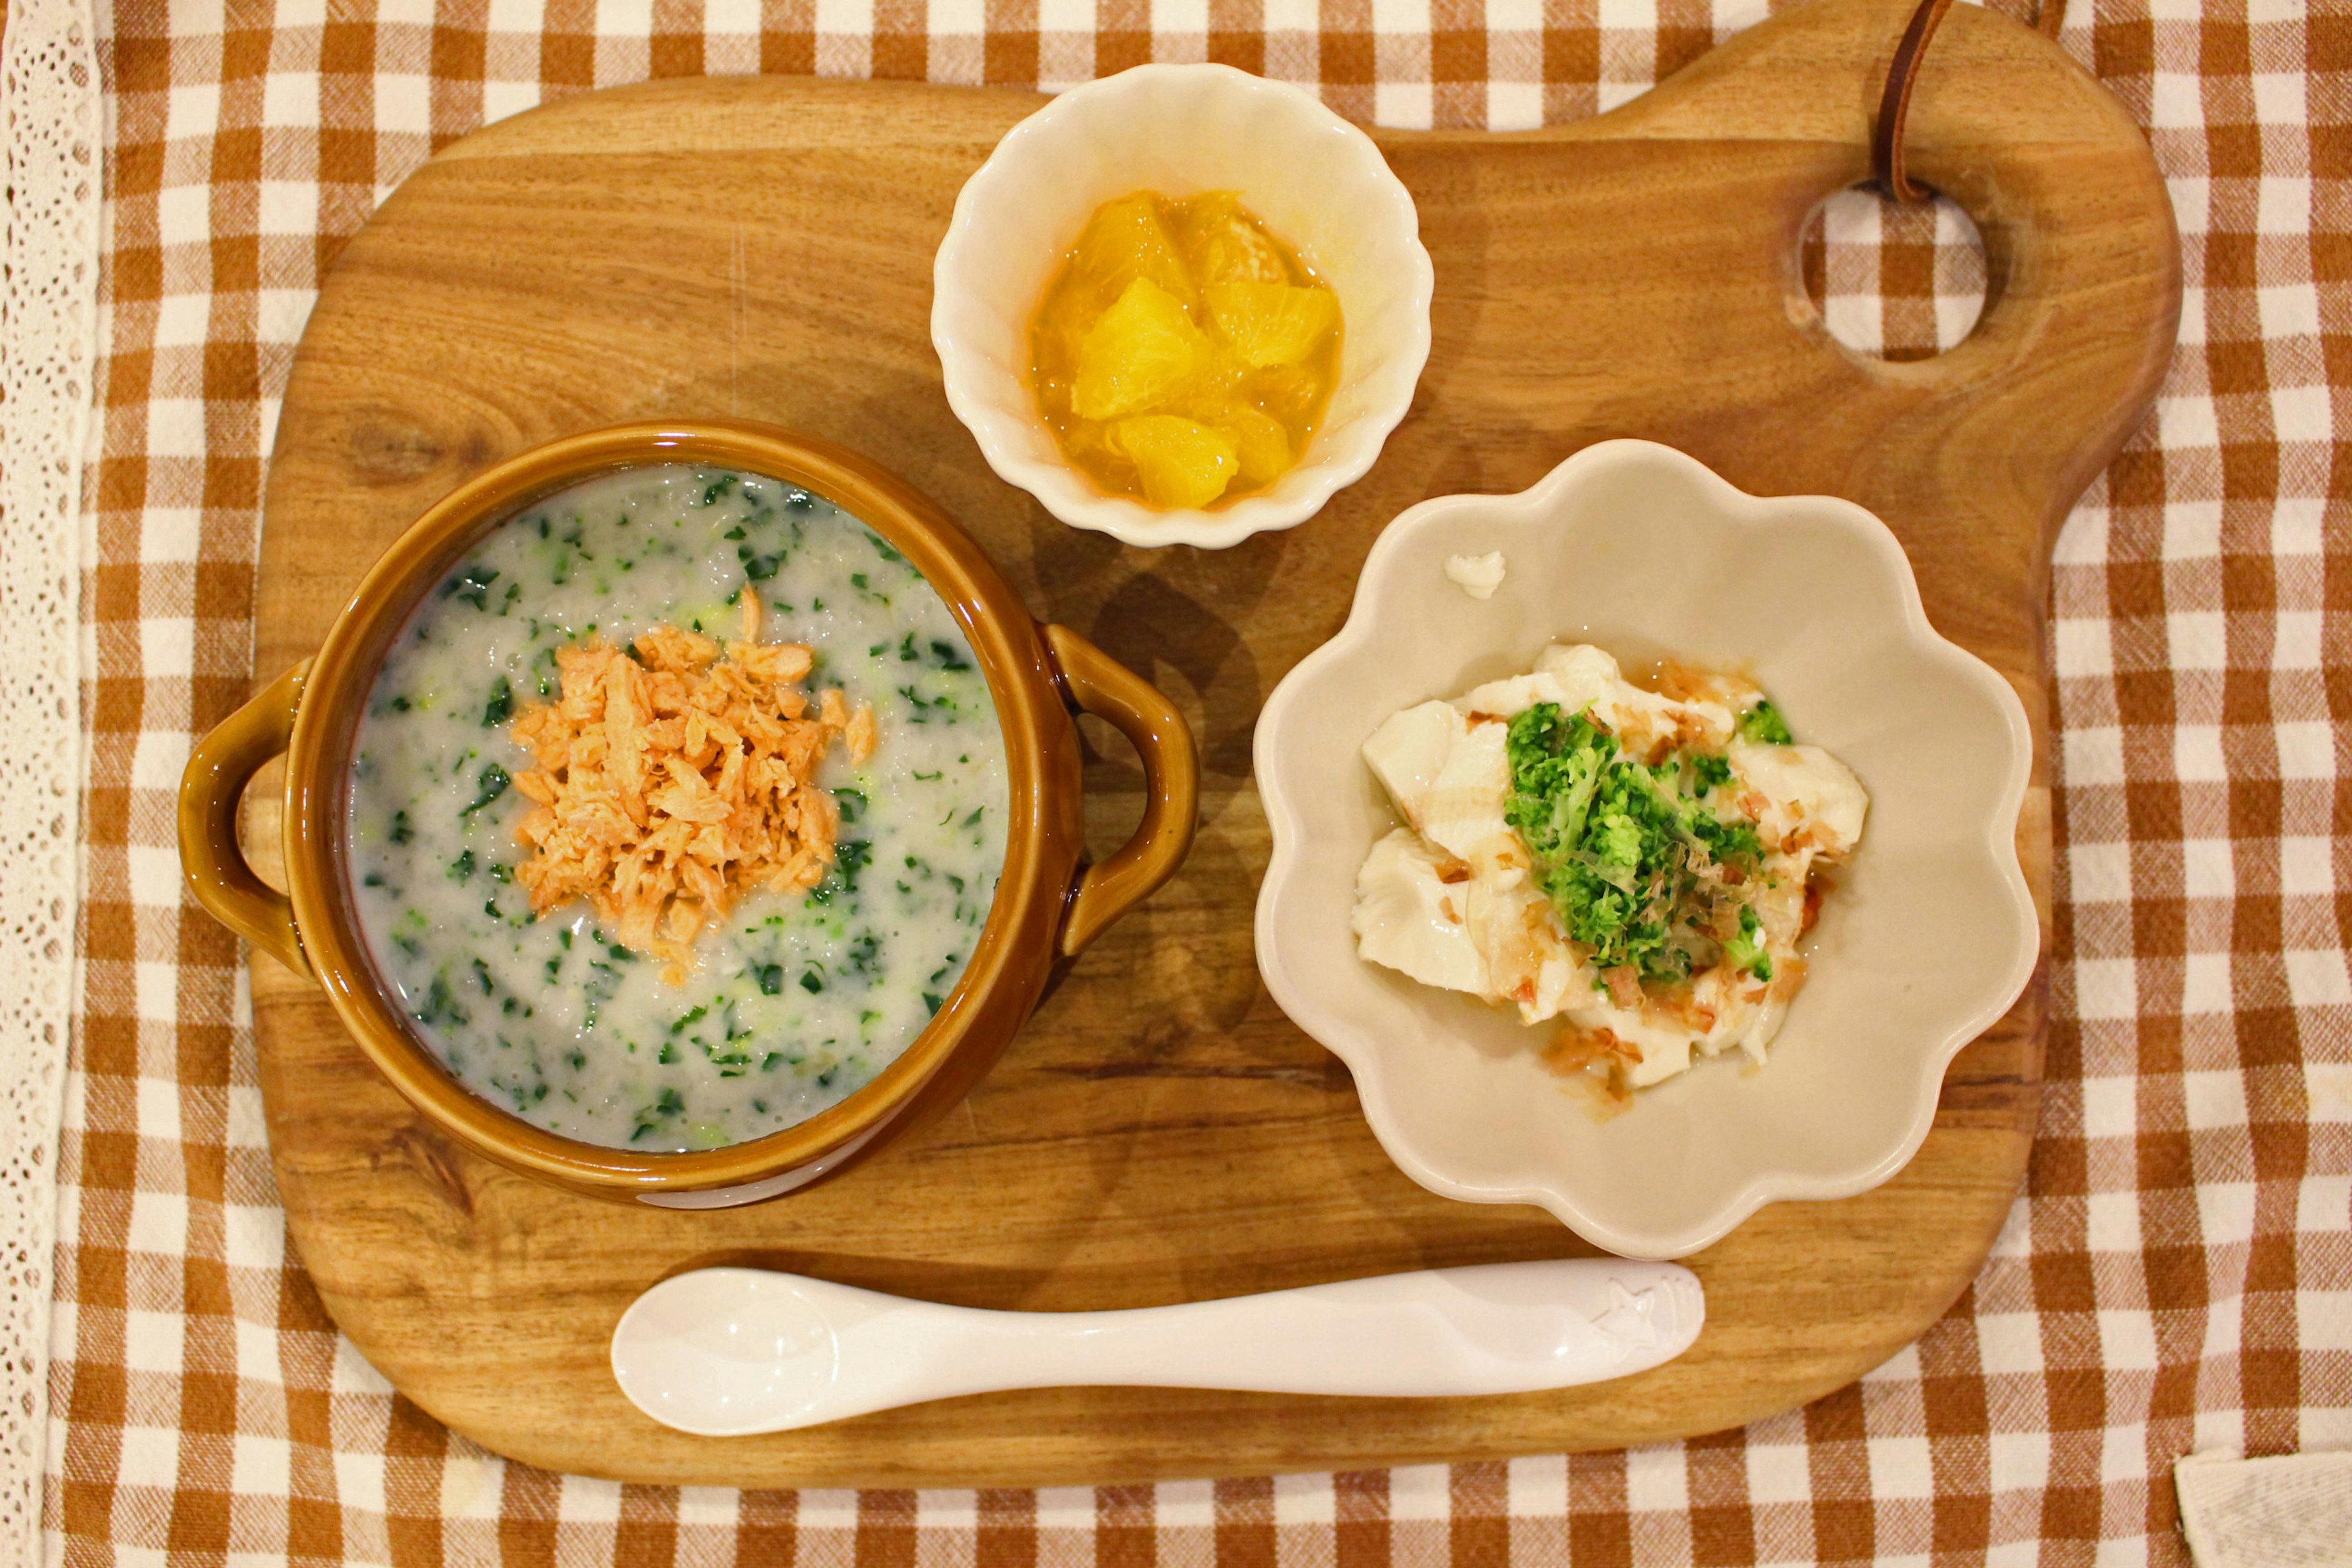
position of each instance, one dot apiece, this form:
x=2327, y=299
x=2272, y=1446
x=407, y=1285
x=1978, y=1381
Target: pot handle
x=220, y=767
x=1095, y=683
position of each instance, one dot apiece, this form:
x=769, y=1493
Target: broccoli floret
x=1763, y=724
x=1604, y=836
x=1616, y=849
x=1556, y=762
x=1616, y=841
x=1727, y=840
x=1746, y=951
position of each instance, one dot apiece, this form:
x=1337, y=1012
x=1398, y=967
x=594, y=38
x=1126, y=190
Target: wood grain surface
x=1162, y=1133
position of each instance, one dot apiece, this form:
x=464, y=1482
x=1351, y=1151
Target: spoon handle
x=731, y=1351
x=1493, y=1328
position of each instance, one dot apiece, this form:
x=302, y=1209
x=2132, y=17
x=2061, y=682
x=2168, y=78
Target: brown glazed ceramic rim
x=1003, y=636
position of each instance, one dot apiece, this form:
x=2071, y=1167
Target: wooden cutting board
x=1162, y=1133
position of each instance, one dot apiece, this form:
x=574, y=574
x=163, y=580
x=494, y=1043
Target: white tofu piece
x=1779, y=904
x=1743, y=1019
x=1590, y=677
x=1407, y=751
x=1408, y=919
x=1476, y=575
x=1666, y=1048
x=1560, y=978
x=1804, y=787
x=1529, y=961
x=1510, y=697
x=1585, y=674
x=1580, y=678
x=1764, y=1024
x=1664, y=1053
x=1462, y=811
x=1448, y=777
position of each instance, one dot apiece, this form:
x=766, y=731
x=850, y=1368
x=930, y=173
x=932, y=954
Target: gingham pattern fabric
x=1902, y=282
x=2177, y=1276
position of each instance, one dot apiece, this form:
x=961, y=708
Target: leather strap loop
x=1894, y=104
x=1903, y=74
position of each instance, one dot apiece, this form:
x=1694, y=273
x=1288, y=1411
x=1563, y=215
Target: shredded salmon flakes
x=670, y=784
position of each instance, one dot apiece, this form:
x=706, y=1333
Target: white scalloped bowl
x=1319, y=183
x=1929, y=938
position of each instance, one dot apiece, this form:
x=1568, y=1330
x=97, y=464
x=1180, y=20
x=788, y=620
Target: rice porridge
x=715, y=1016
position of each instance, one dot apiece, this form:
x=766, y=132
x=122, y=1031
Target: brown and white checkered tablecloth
x=2178, y=1275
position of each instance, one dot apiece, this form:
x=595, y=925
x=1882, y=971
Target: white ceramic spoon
x=723, y=1352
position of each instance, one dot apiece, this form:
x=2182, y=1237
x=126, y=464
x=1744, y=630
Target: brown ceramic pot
x=1048, y=905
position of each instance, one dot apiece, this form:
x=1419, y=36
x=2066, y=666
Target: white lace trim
x=49, y=105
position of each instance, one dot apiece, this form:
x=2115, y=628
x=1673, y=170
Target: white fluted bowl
x=1929, y=938
x=1318, y=184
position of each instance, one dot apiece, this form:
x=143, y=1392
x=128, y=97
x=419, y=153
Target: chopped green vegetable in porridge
x=796, y=998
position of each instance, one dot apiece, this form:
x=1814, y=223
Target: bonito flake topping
x=670, y=784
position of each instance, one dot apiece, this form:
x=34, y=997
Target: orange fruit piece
x=1062, y=325
x=1125, y=240
x=1272, y=323
x=1225, y=246
x=1183, y=465
x=1141, y=350
x=1204, y=394
x=1291, y=393
x=1261, y=444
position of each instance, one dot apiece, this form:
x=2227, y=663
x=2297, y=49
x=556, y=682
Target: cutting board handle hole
x=1891, y=280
